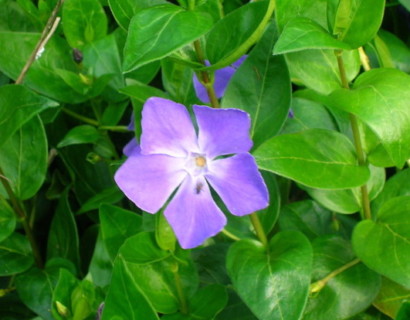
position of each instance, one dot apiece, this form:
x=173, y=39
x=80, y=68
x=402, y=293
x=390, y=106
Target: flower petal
x=239, y=184
x=148, y=181
x=193, y=214
x=131, y=148
x=167, y=128
x=222, y=131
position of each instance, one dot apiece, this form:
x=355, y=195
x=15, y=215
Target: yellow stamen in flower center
x=200, y=161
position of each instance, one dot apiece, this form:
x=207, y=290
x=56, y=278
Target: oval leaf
x=15, y=255
x=317, y=158
x=384, y=244
x=264, y=280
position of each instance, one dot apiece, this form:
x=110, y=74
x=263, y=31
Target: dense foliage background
x=327, y=87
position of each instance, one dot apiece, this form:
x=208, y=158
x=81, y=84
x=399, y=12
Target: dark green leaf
x=15, y=255
x=208, y=301
x=17, y=106
x=80, y=134
x=264, y=279
x=302, y=33
x=63, y=237
x=116, y=226
x=345, y=294
x=108, y=196
x=269, y=216
x=261, y=87
x=404, y=312
x=317, y=158
x=84, y=21
x=383, y=244
x=7, y=219
x=379, y=98
x=150, y=31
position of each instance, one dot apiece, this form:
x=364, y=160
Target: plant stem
x=364, y=59
x=180, y=291
x=259, y=229
x=48, y=31
x=356, y=137
x=205, y=76
x=230, y=235
x=80, y=117
x=318, y=285
x=21, y=215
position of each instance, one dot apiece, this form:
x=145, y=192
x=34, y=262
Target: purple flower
x=172, y=156
x=222, y=77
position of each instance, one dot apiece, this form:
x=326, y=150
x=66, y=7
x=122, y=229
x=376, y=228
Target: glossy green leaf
x=23, y=158
x=15, y=255
x=318, y=69
x=116, y=226
x=390, y=298
x=125, y=299
x=63, y=239
x=84, y=21
x=107, y=196
x=235, y=309
x=17, y=106
x=100, y=268
x=261, y=87
x=244, y=26
x=383, y=244
x=313, y=220
x=345, y=294
x=404, y=312
x=123, y=10
x=150, y=29
x=152, y=268
x=80, y=134
x=302, y=33
x=379, y=99
x=400, y=52
x=361, y=22
x=317, y=158
x=288, y=10
x=349, y=200
x=35, y=289
x=7, y=219
x=397, y=185
x=264, y=280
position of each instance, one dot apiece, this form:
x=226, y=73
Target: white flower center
x=196, y=164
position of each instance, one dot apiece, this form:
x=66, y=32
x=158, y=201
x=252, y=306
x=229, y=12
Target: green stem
x=230, y=235
x=21, y=215
x=115, y=128
x=257, y=225
x=356, y=137
x=180, y=291
x=80, y=117
x=318, y=285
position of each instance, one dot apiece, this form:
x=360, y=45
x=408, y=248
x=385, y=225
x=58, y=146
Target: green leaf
x=383, y=244
x=23, y=158
x=317, y=158
x=390, y=297
x=152, y=268
x=269, y=215
x=15, y=255
x=150, y=29
x=379, y=99
x=404, y=312
x=63, y=239
x=208, y=302
x=116, y=226
x=80, y=134
x=313, y=221
x=125, y=299
x=17, y=106
x=396, y=186
x=61, y=300
x=123, y=10
x=84, y=21
x=400, y=52
x=7, y=219
x=349, y=200
x=35, y=289
x=107, y=196
x=361, y=22
x=345, y=294
x=264, y=279
x=318, y=69
x=100, y=268
x=244, y=25
x=302, y=33
x=406, y=4
x=261, y=87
